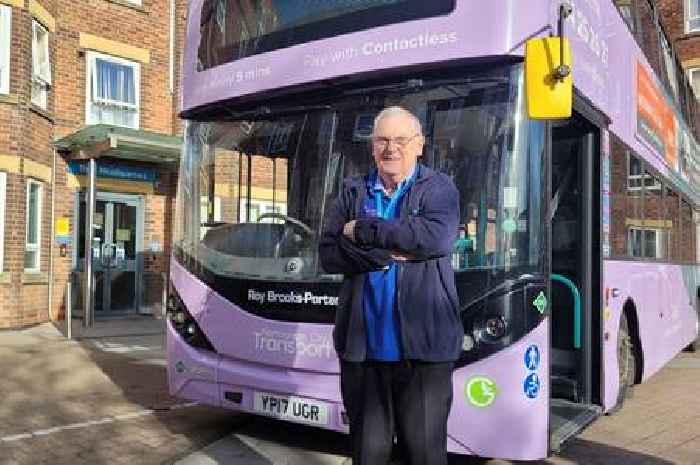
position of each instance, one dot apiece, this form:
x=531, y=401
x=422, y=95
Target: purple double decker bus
x=576, y=256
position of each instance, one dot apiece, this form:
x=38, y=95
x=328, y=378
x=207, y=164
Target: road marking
x=160, y=362
x=85, y=424
x=116, y=348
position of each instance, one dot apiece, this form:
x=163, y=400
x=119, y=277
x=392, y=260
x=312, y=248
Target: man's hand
x=349, y=230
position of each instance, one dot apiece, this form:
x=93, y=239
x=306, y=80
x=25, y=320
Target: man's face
x=396, y=146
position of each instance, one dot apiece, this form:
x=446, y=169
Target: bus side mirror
x=548, y=81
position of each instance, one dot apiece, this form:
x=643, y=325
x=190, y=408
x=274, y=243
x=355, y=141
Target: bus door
x=575, y=277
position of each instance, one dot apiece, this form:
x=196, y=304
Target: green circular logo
x=481, y=391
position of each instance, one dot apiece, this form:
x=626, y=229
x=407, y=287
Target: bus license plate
x=291, y=408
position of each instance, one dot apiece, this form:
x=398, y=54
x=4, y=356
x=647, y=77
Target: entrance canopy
x=113, y=224
x=104, y=140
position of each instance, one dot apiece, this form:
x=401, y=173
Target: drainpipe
x=53, y=232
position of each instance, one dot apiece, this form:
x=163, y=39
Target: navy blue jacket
x=430, y=328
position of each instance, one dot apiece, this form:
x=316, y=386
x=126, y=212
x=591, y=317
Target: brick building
x=681, y=19
x=651, y=218
x=93, y=78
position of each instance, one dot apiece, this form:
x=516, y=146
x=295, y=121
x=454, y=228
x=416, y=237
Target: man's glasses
x=383, y=143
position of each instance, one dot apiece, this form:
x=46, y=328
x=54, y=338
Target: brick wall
x=27, y=134
x=654, y=209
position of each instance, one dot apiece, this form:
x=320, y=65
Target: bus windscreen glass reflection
x=230, y=32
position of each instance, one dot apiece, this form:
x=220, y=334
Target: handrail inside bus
x=577, y=306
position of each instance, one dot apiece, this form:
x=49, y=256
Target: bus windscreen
x=230, y=32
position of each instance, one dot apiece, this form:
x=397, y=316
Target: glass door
x=117, y=240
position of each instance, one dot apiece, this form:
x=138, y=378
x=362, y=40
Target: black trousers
x=409, y=399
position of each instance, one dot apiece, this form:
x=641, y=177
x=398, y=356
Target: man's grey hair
x=396, y=110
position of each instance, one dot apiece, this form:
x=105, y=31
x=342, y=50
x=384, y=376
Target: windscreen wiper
x=419, y=84
x=407, y=85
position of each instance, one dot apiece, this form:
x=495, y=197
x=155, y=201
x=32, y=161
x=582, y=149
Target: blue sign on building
x=113, y=170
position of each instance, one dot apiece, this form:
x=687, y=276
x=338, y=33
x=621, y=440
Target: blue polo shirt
x=379, y=297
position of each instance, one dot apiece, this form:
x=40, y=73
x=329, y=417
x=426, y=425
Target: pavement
x=102, y=398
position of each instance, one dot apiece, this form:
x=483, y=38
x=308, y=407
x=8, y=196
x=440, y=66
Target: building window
x=5, y=38
x=635, y=177
x=3, y=185
x=670, y=64
x=694, y=78
x=692, y=15
x=113, y=91
x=41, y=65
x=32, y=248
x=627, y=15
x=647, y=243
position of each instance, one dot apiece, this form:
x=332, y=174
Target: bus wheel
x=627, y=362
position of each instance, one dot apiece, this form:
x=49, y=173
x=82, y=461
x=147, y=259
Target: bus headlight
x=495, y=327
x=490, y=329
x=500, y=319
x=185, y=325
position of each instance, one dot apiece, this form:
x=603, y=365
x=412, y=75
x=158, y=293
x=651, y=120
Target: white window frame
x=35, y=247
x=41, y=72
x=686, y=10
x=690, y=72
x=642, y=178
x=91, y=80
x=3, y=189
x=5, y=47
x=660, y=242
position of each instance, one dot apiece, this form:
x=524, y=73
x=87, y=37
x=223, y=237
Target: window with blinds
x=113, y=91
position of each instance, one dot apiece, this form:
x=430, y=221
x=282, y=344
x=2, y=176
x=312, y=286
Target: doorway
x=117, y=242
x=576, y=273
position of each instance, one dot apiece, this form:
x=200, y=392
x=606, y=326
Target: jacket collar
x=422, y=173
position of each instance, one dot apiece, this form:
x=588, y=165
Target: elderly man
x=398, y=330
